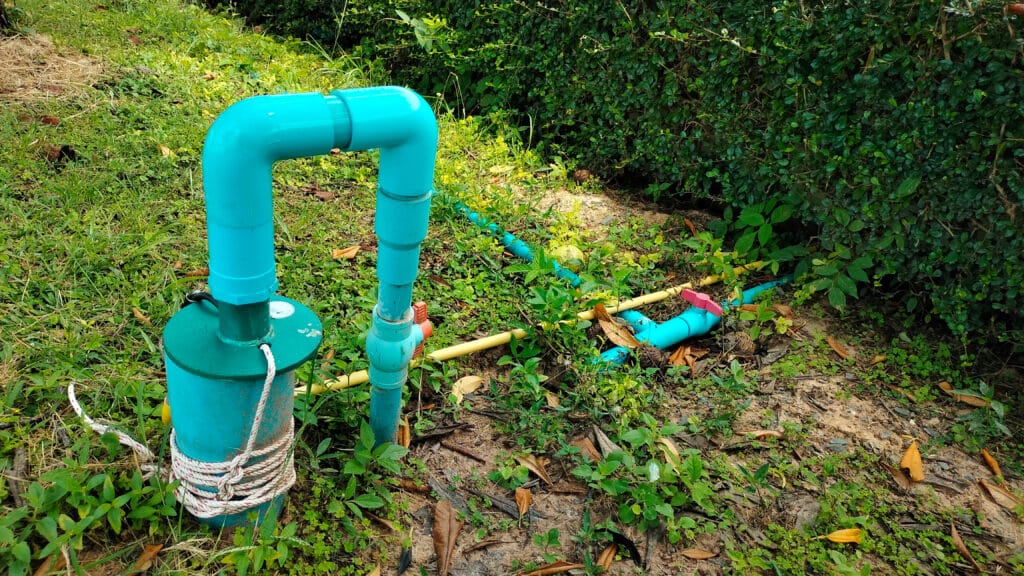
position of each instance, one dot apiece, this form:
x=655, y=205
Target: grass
x=103, y=234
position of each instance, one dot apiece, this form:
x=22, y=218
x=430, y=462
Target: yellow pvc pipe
x=362, y=376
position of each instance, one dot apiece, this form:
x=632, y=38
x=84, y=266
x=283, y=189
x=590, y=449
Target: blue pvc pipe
x=240, y=150
x=515, y=245
x=692, y=322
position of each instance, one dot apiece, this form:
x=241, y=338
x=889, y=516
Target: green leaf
x=751, y=218
x=836, y=298
x=47, y=528
x=354, y=467
x=322, y=446
x=114, y=516
x=391, y=451
x=22, y=553
x=368, y=501
x=844, y=283
x=857, y=226
x=764, y=234
x=693, y=467
x=745, y=243
x=636, y=437
x=856, y=273
x=781, y=214
x=907, y=187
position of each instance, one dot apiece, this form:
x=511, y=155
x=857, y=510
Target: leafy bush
x=893, y=127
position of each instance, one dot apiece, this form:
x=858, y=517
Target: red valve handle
x=702, y=301
x=419, y=316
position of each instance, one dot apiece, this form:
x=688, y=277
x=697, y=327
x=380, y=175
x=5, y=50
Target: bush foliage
x=893, y=127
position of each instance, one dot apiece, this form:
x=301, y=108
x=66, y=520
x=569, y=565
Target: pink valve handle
x=702, y=301
x=419, y=316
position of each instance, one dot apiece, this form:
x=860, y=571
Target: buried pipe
x=362, y=376
x=703, y=315
x=514, y=245
x=231, y=358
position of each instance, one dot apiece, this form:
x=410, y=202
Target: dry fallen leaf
x=690, y=227
x=141, y=317
x=784, y=311
x=145, y=561
x=559, y=567
x=845, y=536
x=993, y=464
x=687, y=355
x=54, y=564
x=616, y=333
x=197, y=273
x=165, y=151
x=897, y=474
x=877, y=359
x=911, y=461
x=374, y=572
x=838, y=348
x=587, y=448
x=963, y=398
x=523, y=499
x=961, y=547
x=1017, y=9
x=446, y=530
x=671, y=452
x=697, y=554
x=551, y=399
x=607, y=556
x=535, y=465
x=404, y=433
x=345, y=253
x=1000, y=495
x=605, y=443
x=466, y=385
x=762, y=434
x=209, y=76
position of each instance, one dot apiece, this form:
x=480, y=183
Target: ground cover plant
x=790, y=440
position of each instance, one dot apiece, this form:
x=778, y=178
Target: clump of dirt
x=35, y=69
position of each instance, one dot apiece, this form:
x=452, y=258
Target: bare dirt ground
x=838, y=413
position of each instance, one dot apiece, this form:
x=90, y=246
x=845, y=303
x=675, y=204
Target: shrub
x=893, y=127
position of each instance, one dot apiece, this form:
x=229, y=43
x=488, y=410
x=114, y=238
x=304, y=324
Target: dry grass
x=32, y=68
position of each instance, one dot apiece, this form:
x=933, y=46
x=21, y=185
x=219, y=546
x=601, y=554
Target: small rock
x=838, y=444
x=884, y=435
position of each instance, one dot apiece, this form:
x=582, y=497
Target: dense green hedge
x=893, y=126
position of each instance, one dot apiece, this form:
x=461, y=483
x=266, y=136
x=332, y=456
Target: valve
x=702, y=301
x=419, y=317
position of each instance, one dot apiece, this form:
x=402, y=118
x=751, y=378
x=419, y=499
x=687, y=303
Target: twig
x=465, y=452
x=507, y=506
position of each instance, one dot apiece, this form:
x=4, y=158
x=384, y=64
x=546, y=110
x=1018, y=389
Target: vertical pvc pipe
x=402, y=125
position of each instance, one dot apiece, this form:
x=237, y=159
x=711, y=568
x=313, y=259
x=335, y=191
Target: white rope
x=146, y=458
x=211, y=489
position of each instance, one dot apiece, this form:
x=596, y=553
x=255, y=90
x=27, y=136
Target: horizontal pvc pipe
x=692, y=322
x=515, y=245
x=361, y=376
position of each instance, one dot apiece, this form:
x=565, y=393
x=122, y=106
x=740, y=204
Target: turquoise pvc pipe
x=515, y=245
x=394, y=119
x=214, y=367
x=402, y=125
x=637, y=321
x=239, y=151
x=692, y=322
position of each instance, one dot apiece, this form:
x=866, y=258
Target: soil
x=838, y=414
